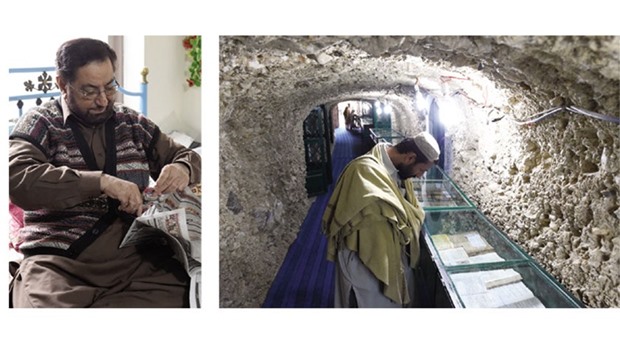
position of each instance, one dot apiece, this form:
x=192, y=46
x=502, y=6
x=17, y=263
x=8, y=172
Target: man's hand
x=127, y=193
x=173, y=177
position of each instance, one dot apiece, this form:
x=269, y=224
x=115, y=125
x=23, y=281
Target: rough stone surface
x=551, y=186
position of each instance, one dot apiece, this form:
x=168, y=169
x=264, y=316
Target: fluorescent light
x=450, y=113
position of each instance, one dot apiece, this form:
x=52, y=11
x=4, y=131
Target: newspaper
x=173, y=218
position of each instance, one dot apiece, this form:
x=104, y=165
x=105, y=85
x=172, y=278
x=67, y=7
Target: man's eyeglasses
x=91, y=94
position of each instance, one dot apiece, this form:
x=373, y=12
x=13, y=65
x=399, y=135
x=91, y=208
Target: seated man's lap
x=103, y=276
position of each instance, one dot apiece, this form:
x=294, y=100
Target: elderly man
x=78, y=166
x=372, y=222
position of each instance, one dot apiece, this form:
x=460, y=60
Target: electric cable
x=593, y=114
x=550, y=112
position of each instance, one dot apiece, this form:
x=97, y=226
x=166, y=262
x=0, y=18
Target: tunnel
x=532, y=138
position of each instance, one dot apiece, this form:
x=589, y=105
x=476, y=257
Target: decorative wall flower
x=45, y=82
x=193, y=47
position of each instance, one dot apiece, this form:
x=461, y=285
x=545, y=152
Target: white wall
x=172, y=104
x=133, y=63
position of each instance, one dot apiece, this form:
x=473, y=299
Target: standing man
x=372, y=222
x=77, y=167
x=347, y=116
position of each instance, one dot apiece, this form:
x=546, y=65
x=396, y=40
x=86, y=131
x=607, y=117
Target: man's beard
x=405, y=171
x=88, y=118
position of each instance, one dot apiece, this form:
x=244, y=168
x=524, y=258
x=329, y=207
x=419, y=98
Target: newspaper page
x=174, y=217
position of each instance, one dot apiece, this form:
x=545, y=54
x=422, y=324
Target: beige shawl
x=368, y=214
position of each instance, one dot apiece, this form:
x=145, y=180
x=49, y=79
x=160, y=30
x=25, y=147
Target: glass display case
x=437, y=173
x=466, y=261
x=385, y=135
x=439, y=195
x=466, y=237
x=437, y=191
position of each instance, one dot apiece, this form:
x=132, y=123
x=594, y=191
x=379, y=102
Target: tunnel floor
x=305, y=278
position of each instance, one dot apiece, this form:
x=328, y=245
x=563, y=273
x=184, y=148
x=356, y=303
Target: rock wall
x=552, y=186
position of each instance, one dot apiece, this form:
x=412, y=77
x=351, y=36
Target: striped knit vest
x=130, y=139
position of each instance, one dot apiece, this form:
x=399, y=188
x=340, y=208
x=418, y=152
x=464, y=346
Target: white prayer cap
x=428, y=145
